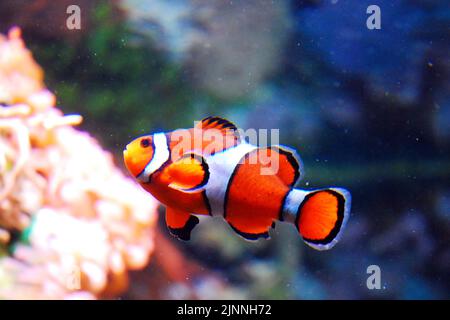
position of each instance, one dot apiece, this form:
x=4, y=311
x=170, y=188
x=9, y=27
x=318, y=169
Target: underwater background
x=366, y=109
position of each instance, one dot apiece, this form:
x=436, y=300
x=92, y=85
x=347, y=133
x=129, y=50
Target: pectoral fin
x=180, y=223
x=188, y=174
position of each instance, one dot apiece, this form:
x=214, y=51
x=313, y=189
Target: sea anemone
x=71, y=224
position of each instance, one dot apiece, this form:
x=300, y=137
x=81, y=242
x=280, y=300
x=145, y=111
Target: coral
x=82, y=224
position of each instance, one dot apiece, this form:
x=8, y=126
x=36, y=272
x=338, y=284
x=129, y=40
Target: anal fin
x=252, y=234
x=180, y=223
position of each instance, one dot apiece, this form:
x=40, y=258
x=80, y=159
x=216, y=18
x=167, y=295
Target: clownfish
x=210, y=170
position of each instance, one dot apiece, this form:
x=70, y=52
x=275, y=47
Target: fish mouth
x=126, y=158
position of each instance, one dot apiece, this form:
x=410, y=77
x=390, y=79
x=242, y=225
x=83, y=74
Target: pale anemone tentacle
x=21, y=134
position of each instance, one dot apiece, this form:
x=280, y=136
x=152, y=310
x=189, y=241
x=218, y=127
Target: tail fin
x=322, y=216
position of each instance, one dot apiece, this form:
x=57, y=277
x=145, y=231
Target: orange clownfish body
x=209, y=170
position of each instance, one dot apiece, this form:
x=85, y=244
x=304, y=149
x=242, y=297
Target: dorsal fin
x=226, y=127
x=289, y=168
x=216, y=123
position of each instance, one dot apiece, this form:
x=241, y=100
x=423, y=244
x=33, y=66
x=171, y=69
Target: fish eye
x=145, y=143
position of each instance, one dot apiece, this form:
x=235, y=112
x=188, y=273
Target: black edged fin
x=251, y=236
x=292, y=159
x=341, y=211
x=184, y=233
x=226, y=127
x=213, y=122
x=202, y=170
x=204, y=166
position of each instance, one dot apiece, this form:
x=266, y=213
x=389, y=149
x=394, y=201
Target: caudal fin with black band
x=322, y=215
